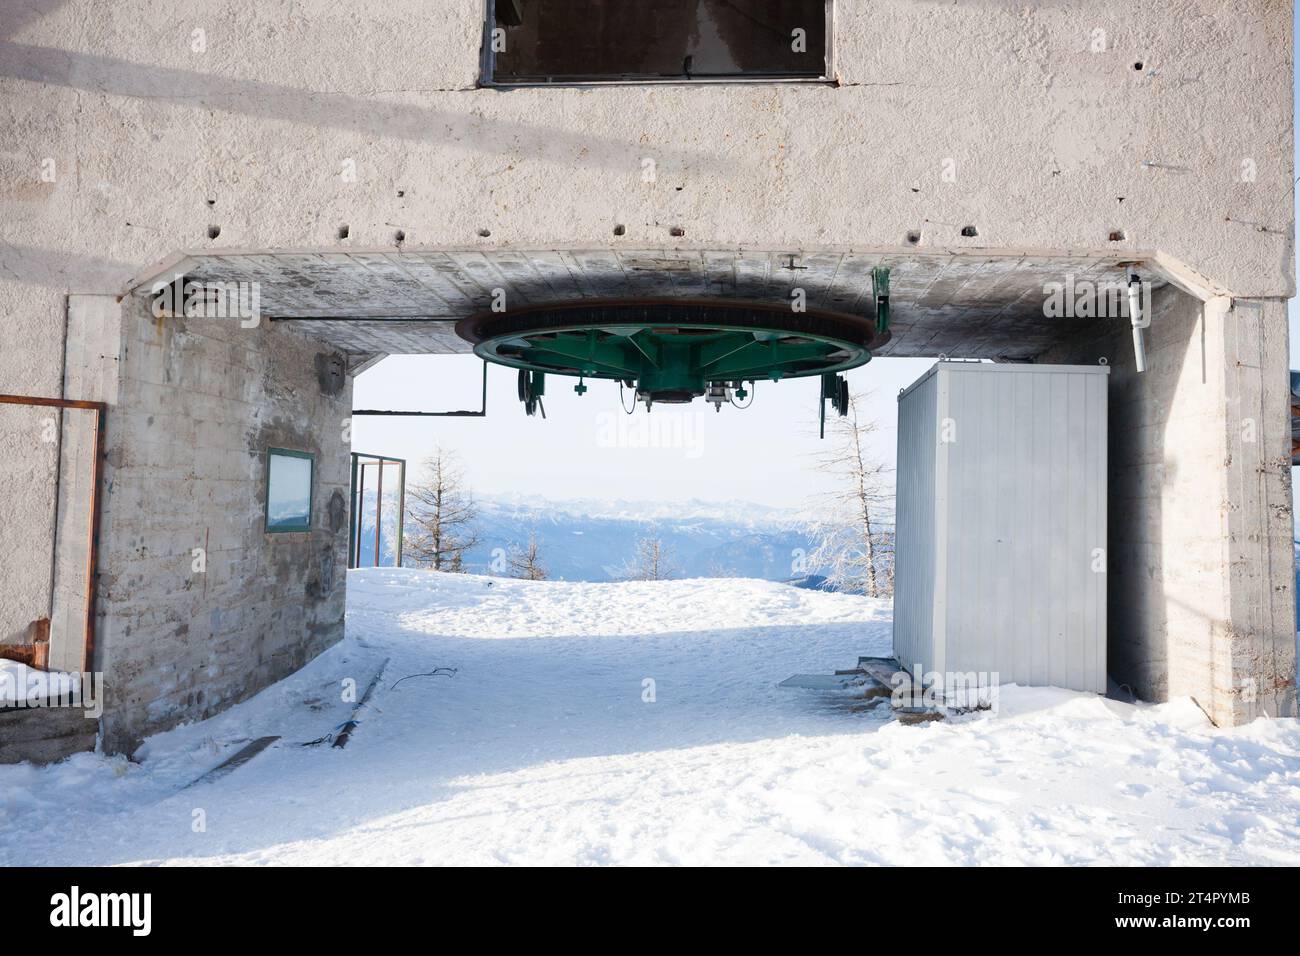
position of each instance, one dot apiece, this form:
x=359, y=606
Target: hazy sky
x=587, y=447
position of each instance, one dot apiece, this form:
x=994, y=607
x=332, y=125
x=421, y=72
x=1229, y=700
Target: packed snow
x=640, y=723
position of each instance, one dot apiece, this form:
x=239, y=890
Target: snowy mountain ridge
x=586, y=540
x=739, y=513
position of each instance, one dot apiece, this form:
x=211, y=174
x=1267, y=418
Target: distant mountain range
x=595, y=540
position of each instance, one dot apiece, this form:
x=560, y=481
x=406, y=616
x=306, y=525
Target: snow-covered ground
x=543, y=748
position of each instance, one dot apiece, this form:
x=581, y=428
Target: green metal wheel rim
x=673, y=350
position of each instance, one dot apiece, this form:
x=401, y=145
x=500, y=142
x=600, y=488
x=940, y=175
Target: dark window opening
x=567, y=41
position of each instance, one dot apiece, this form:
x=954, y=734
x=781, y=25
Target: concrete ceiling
x=974, y=304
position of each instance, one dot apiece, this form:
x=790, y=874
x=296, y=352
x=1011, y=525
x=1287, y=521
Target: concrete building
x=352, y=168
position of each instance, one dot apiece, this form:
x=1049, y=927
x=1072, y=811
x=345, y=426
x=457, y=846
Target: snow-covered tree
x=652, y=561
x=852, y=547
x=526, y=562
x=441, y=514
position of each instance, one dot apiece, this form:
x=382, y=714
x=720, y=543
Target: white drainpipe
x=1139, y=323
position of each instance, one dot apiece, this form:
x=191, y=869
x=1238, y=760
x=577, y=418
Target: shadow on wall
x=1165, y=592
x=351, y=114
x=61, y=270
x=15, y=15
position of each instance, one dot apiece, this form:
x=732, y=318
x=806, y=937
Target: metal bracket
x=532, y=386
x=880, y=285
x=835, y=389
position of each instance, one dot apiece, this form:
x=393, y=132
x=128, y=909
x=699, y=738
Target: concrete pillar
x=1200, y=565
x=91, y=355
x=1258, y=676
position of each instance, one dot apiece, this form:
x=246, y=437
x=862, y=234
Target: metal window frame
x=100, y=410
x=311, y=492
x=487, y=67
x=356, y=498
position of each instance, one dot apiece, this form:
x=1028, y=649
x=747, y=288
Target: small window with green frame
x=288, y=490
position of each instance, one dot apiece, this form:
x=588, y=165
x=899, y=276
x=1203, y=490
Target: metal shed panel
x=915, y=524
x=1017, y=581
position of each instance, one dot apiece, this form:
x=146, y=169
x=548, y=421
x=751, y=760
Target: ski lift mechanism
x=673, y=351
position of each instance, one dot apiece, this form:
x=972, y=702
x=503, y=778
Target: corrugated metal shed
x=1001, y=523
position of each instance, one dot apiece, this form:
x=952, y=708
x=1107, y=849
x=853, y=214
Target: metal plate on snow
x=823, y=681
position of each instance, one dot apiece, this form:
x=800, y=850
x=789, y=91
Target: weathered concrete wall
x=1200, y=561
x=198, y=403
x=92, y=347
x=1028, y=121
x=28, y=473
x=92, y=341
x=44, y=734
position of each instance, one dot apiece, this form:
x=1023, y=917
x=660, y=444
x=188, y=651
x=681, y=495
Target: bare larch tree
x=441, y=512
x=852, y=548
x=526, y=562
x=652, y=562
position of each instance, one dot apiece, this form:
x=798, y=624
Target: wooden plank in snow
x=881, y=670
x=234, y=761
x=345, y=732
